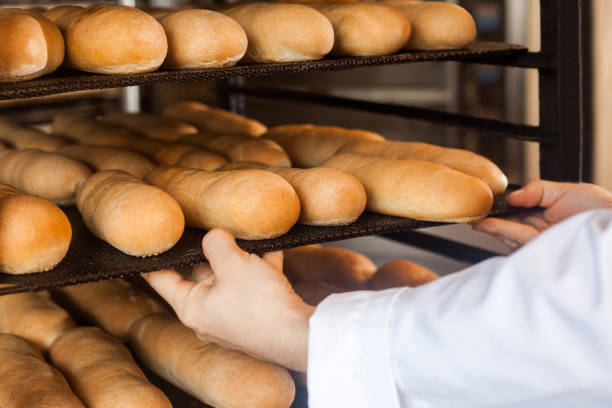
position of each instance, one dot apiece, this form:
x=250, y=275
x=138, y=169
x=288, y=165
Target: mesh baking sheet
x=90, y=258
x=65, y=80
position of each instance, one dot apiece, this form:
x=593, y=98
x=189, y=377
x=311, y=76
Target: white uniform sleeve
x=530, y=330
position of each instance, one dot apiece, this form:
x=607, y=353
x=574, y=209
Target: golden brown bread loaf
x=34, y=233
x=152, y=126
x=217, y=376
x=250, y=204
x=209, y=119
x=94, y=132
x=310, y=145
x=51, y=176
x=113, y=304
x=336, y=266
x=28, y=381
x=283, y=32
x=400, y=273
x=314, y=292
x=134, y=217
x=458, y=159
x=23, y=137
x=101, y=158
x=102, y=372
x=185, y=155
x=112, y=39
x=436, y=25
x=365, y=29
x=417, y=189
x=34, y=317
x=31, y=45
x=202, y=39
x=55, y=13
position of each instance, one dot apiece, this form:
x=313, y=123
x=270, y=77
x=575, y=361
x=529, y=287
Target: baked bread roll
x=113, y=304
x=436, y=25
x=54, y=177
x=136, y=218
x=250, y=204
x=102, y=372
x=55, y=13
x=283, y=32
x=217, y=376
x=313, y=293
x=31, y=45
x=209, y=119
x=417, y=189
x=365, y=29
x=34, y=317
x=109, y=158
x=91, y=131
x=152, y=126
x=400, y=273
x=202, y=39
x=310, y=145
x=34, y=233
x=112, y=40
x=28, y=381
x=22, y=137
x=336, y=266
x=457, y=159
x=185, y=155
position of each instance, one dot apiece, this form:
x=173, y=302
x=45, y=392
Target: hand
x=560, y=200
x=240, y=301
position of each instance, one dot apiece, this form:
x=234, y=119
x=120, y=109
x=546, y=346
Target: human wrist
x=292, y=350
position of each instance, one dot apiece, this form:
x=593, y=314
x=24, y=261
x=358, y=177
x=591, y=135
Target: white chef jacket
x=533, y=329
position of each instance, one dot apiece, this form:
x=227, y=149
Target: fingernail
x=209, y=235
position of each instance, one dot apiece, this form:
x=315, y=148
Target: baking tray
x=65, y=80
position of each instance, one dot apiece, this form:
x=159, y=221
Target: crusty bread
x=218, y=376
x=314, y=292
x=365, y=29
x=336, y=266
x=283, y=32
x=113, y=304
x=109, y=158
x=209, y=119
x=250, y=204
x=28, y=381
x=91, y=131
x=202, y=39
x=400, y=273
x=58, y=12
x=34, y=317
x=152, y=126
x=310, y=145
x=102, y=372
x=185, y=155
x=134, y=217
x=436, y=25
x=112, y=39
x=417, y=189
x=458, y=159
x=31, y=45
x=52, y=176
x=22, y=137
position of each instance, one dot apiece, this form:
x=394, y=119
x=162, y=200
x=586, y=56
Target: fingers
x=507, y=230
x=171, y=286
x=275, y=259
x=538, y=193
x=202, y=273
x=222, y=252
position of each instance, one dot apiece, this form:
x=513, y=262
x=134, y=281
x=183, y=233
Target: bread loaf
x=283, y=32
x=31, y=45
x=417, y=189
x=55, y=13
x=202, y=39
x=458, y=159
x=91, y=131
x=400, y=273
x=185, y=155
x=54, y=177
x=136, y=218
x=34, y=233
x=28, y=381
x=219, y=377
x=22, y=137
x=336, y=266
x=152, y=126
x=102, y=372
x=250, y=204
x=113, y=304
x=112, y=39
x=109, y=158
x=313, y=293
x=310, y=145
x=34, y=317
x=209, y=119
x=365, y=29
x=436, y=25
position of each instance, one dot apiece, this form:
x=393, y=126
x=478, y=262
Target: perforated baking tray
x=65, y=80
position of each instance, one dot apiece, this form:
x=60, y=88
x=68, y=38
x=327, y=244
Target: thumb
x=538, y=193
x=223, y=254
